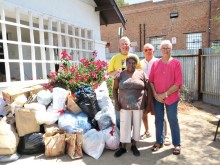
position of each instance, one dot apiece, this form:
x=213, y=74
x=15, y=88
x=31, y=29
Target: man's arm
x=114, y=73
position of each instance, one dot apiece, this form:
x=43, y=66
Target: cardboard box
x=11, y=93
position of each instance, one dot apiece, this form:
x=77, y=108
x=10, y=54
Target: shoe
x=166, y=141
x=120, y=152
x=145, y=135
x=156, y=147
x=176, y=150
x=135, y=151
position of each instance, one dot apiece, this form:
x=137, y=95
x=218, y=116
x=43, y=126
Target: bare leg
x=165, y=127
x=145, y=122
x=166, y=138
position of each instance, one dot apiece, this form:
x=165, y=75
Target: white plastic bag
x=36, y=107
x=104, y=101
x=47, y=117
x=112, y=139
x=59, y=98
x=93, y=143
x=44, y=97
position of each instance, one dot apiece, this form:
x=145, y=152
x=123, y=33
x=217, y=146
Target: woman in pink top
x=166, y=80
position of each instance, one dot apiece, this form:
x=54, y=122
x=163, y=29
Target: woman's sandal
x=176, y=150
x=145, y=135
x=156, y=147
x=166, y=141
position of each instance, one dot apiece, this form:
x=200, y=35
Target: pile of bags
x=57, y=123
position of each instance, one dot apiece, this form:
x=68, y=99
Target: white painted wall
x=78, y=12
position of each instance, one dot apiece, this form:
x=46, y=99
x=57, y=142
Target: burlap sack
x=72, y=106
x=26, y=122
x=74, y=145
x=54, y=144
x=8, y=138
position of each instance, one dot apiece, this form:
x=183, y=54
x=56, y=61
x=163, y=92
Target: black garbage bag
x=31, y=144
x=86, y=100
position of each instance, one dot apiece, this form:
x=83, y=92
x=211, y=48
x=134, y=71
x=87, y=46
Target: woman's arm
x=115, y=95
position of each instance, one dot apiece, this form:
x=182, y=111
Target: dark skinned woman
x=129, y=98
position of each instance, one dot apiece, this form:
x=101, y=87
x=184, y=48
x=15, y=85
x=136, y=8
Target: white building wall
x=79, y=12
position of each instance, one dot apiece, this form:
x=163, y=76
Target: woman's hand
x=159, y=97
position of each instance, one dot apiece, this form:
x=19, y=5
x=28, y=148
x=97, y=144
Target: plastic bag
x=74, y=122
x=44, y=97
x=105, y=102
x=3, y=112
x=36, y=107
x=93, y=143
x=112, y=139
x=31, y=144
x=48, y=117
x=104, y=119
x=59, y=98
x=86, y=99
x=8, y=138
x=9, y=158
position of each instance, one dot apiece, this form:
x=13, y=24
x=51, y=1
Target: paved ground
x=197, y=125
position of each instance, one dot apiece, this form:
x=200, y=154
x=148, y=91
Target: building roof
x=109, y=12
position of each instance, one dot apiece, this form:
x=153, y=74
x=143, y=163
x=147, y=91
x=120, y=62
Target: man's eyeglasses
x=146, y=50
x=166, y=48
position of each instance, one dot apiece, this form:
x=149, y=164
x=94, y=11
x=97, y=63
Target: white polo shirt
x=146, y=66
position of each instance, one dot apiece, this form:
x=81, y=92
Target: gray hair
x=124, y=38
x=166, y=42
x=149, y=45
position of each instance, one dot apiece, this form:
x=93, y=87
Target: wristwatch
x=166, y=95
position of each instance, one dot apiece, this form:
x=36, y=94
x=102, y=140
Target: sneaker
x=135, y=151
x=120, y=152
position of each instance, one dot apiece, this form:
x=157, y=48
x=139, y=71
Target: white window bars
x=31, y=44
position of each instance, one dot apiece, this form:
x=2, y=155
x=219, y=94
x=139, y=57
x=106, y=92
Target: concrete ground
x=197, y=126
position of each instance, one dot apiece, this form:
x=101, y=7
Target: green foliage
x=90, y=72
x=186, y=95
x=121, y=3
x=109, y=82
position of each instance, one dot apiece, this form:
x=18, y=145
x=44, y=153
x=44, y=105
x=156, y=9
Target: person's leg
x=145, y=122
x=165, y=127
x=166, y=138
x=137, y=116
x=172, y=116
x=125, y=126
x=125, y=131
x=117, y=115
x=159, y=121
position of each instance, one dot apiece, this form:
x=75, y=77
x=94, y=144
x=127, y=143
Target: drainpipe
x=144, y=33
x=140, y=39
x=209, y=22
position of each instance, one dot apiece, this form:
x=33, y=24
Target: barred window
x=156, y=41
x=31, y=43
x=194, y=41
x=215, y=43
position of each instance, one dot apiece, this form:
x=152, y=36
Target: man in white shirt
x=146, y=65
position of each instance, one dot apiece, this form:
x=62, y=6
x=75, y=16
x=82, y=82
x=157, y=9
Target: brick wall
x=193, y=17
